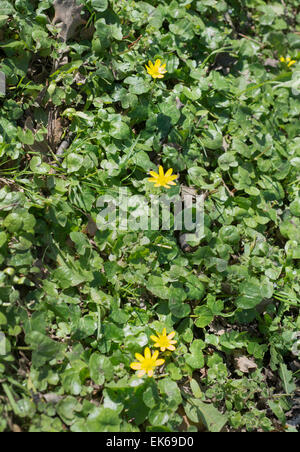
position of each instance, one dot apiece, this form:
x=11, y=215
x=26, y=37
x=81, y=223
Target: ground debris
x=68, y=16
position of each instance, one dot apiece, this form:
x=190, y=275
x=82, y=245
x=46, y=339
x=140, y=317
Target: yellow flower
x=163, y=341
x=288, y=61
x=147, y=363
x=161, y=179
x=156, y=70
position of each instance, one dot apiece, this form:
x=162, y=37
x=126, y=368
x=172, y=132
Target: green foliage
x=77, y=303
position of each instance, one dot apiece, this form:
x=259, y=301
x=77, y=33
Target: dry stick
x=231, y=193
x=135, y=42
x=250, y=39
x=9, y=205
x=63, y=146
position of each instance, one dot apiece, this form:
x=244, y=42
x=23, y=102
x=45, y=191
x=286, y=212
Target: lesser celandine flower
x=288, y=61
x=164, y=341
x=156, y=70
x=161, y=179
x=147, y=363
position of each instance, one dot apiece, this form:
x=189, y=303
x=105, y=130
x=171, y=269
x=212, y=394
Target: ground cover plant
x=133, y=330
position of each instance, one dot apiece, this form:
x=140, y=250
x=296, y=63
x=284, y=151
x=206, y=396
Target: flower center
x=164, y=341
x=148, y=364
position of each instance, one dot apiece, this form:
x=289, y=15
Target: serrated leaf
x=287, y=379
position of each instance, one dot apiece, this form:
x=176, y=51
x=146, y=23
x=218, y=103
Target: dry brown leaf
x=271, y=62
x=52, y=397
x=16, y=428
x=91, y=227
x=56, y=126
x=245, y=364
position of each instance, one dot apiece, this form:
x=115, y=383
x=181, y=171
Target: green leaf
x=170, y=389
x=196, y=359
x=99, y=5
x=287, y=379
x=208, y=414
x=204, y=316
x=229, y=234
x=277, y=409
x=137, y=85
x=80, y=241
x=196, y=288
x=119, y=130
x=212, y=139
x=100, y=368
x=295, y=207
x=13, y=222
x=157, y=287
x=196, y=389
x=86, y=327
x=3, y=238
x=44, y=348
x=26, y=408
x=67, y=409
x=251, y=294
x=102, y=420
x=26, y=136
x=178, y=308
x=38, y=167
x=71, y=381
x=6, y=7
x=73, y=162
x=142, y=160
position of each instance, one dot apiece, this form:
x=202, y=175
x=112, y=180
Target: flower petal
x=154, y=338
x=155, y=355
x=147, y=353
x=153, y=174
x=136, y=366
x=141, y=373
x=171, y=347
x=171, y=335
x=169, y=172
x=150, y=373
x=164, y=333
x=153, y=180
x=161, y=171
x=139, y=357
x=159, y=362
